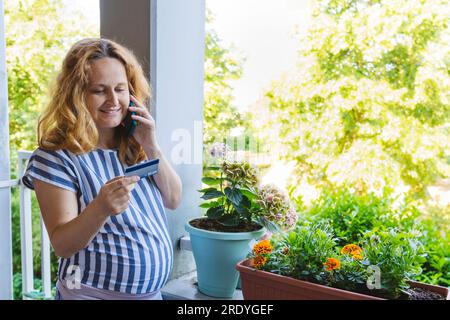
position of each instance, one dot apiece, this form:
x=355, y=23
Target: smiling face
x=108, y=94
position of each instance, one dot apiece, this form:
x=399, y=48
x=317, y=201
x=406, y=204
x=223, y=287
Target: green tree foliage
x=221, y=66
x=369, y=103
x=38, y=34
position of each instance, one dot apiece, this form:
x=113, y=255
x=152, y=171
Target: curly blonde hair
x=66, y=122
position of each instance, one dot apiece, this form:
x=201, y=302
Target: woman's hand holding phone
x=145, y=133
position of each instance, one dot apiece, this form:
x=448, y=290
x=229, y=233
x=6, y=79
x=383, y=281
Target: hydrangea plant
x=234, y=195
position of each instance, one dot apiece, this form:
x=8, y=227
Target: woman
x=110, y=231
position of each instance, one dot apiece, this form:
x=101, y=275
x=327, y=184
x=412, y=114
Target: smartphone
x=129, y=123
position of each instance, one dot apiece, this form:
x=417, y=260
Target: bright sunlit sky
x=89, y=8
x=262, y=31
x=259, y=30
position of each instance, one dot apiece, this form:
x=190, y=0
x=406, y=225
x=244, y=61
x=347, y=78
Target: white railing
x=26, y=236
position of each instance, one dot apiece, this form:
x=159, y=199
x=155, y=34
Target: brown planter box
x=262, y=285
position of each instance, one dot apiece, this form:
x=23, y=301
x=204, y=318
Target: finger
x=148, y=121
x=137, y=102
x=130, y=187
x=114, y=179
x=124, y=182
x=121, y=198
x=143, y=112
x=124, y=190
x=120, y=208
x=131, y=180
x=111, y=185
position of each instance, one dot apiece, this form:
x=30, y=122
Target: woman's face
x=108, y=95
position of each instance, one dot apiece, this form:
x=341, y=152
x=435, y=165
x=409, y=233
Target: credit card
x=143, y=169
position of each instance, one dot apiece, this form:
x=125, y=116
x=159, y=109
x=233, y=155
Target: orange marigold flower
x=351, y=249
x=332, y=264
x=259, y=261
x=262, y=247
x=357, y=257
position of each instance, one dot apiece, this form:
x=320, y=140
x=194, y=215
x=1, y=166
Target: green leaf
x=243, y=209
x=230, y=220
x=206, y=190
x=212, y=195
x=211, y=181
x=270, y=225
x=234, y=195
x=249, y=193
x=210, y=204
x=212, y=168
x=245, y=202
x=215, y=212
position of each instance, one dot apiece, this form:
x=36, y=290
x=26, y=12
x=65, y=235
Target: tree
x=219, y=115
x=368, y=105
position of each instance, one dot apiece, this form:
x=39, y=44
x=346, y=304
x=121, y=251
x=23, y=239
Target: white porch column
x=5, y=193
x=168, y=37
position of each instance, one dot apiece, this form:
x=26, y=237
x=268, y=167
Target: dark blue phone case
x=130, y=123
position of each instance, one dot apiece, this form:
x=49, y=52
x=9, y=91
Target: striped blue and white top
x=132, y=252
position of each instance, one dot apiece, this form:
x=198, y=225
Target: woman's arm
x=167, y=180
x=70, y=232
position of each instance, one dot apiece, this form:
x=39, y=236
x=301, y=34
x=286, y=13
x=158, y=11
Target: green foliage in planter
x=352, y=214
x=234, y=198
x=352, y=274
x=232, y=187
x=310, y=253
x=302, y=253
x=399, y=256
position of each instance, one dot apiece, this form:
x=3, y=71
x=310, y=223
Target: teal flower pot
x=216, y=255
